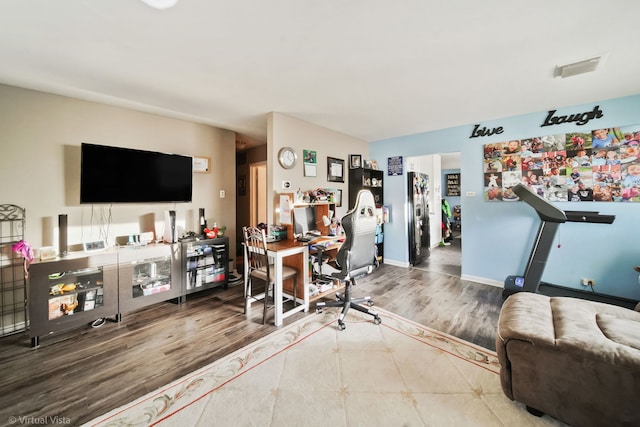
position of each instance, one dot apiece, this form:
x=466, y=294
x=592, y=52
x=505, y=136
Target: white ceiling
x=372, y=69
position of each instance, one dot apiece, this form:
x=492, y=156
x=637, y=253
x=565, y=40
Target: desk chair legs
x=346, y=302
x=269, y=290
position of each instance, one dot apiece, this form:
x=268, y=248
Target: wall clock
x=287, y=157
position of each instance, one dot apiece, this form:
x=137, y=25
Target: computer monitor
x=304, y=220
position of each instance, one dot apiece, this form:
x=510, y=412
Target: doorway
x=446, y=253
x=258, y=193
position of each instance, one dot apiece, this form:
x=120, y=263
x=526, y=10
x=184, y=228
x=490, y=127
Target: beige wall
x=40, y=136
x=289, y=131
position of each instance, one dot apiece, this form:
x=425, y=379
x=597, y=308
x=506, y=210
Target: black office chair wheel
x=341, y=325
x=377, y=320
x=370, y=303
x=318, y=310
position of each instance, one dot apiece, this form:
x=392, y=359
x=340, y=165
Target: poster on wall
x=453, y=184
x=600, y=165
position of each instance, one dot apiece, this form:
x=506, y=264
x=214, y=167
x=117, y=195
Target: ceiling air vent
x=586, y=66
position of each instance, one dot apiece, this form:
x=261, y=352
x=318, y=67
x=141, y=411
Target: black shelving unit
x=369, y=179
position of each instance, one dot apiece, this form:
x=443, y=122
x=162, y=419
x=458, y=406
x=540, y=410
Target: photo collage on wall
x=601, y=165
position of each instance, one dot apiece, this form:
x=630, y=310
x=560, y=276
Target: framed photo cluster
x=600, y=165
x=356, y=161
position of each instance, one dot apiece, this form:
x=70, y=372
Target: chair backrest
x=358, y=254
x=255, y=246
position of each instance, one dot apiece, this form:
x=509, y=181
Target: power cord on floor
x=98, y=322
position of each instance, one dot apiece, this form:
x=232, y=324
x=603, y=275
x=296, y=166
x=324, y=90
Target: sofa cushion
x=621, y=331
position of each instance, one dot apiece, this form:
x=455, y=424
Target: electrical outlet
x=588, y=282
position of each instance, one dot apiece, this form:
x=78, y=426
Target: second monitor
x=304, y=221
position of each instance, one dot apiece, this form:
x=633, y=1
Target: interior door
x=258, y=193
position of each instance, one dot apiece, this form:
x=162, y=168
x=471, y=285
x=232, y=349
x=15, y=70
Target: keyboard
x=309, y=237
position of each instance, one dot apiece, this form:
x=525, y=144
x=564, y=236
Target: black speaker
x=63, y=248
x=170, y=227
x=203, y=221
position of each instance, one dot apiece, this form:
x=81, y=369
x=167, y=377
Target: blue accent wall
x=498, y=236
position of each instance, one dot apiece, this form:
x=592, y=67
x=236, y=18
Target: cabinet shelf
x=79, y=289
x=327, y=293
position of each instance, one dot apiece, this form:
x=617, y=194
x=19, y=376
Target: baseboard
x=483, y=280
x=396, y=263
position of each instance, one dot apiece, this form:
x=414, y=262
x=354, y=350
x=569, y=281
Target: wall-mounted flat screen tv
x=125, y=175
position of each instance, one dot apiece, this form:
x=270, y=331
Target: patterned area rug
x=308, y=373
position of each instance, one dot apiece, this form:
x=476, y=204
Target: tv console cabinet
x=66, y=293
x=71, y=291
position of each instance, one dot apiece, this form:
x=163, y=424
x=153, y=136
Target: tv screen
x=125, y=175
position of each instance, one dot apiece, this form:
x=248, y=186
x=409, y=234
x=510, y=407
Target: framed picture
x=337, y=198
x=335, y=169
x=309, y=159
x=355, y=161
x=367, y=164
x=310, y=169
x=309, y=156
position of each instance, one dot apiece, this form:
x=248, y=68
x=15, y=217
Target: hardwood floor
x=83, y=373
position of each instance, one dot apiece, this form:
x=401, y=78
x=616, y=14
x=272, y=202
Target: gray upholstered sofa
x=575, y=360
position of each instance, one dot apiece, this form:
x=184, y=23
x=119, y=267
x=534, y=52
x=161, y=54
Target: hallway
x=445, y=259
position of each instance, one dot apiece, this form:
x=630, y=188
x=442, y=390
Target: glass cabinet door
x=75, y=291
x=151, y=276
x=148, y=275
x=206, y=264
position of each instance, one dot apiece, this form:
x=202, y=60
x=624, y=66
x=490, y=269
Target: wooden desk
x=293, y=254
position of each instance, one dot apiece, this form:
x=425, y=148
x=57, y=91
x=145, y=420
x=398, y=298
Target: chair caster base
x=533, y=411
x=377, y=320
x=341, y=326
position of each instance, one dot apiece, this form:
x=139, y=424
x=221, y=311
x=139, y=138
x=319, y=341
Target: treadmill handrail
x=589, y=216
x=545, y=210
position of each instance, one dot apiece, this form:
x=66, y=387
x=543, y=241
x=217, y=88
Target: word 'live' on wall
x=601, y=165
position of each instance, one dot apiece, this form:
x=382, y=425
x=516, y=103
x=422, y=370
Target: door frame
x=258, y=193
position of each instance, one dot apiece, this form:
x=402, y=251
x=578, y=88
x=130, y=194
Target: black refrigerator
x=418, y=217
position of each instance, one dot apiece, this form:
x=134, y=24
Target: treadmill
x=550, y=219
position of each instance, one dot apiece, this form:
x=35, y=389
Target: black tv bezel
x=117, y=184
